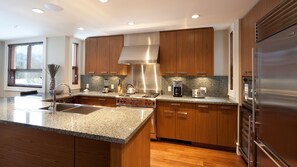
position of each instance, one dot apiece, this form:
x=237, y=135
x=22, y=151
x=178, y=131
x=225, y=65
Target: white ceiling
x=112, y=17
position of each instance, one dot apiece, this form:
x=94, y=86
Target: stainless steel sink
x=73, y=108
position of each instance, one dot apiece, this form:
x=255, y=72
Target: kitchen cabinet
x=185, y=53
x=248, y=32
x=90, y=55
x=176, y=121
x=102, y=59
x=168, y=53
x=206, y=124
x=116, y=43
x=204, y=52
x=227, y=125
x=102, y=55
x=99, y=101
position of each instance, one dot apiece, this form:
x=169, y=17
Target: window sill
x=20, y=89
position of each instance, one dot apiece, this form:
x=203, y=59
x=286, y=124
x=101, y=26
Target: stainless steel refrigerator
x=275, y=109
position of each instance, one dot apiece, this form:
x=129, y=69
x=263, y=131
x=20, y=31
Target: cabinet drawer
x=100, y=101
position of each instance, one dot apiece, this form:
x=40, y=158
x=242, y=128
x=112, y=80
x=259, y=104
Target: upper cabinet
x=91, y=54
x=102, y=55
x=248, y=32
x=187, y=52
x=168, y=53
x=204, y=52
x=116, y=43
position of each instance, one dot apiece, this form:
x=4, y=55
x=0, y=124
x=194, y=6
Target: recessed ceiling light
x=80, y=28
x=103, y=1
x=195, y=16
x=36, y=10
x=52, y=7
x=131, y=23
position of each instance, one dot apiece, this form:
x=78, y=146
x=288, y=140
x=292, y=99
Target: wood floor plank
x=164, y=154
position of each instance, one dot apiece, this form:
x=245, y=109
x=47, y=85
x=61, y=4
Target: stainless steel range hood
x=140, y=49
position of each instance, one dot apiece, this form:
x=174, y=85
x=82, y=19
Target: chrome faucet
x=54, y=97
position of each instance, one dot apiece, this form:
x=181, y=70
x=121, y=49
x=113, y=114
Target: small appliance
x=106, y=83
x=198, y=93
x=177, y=88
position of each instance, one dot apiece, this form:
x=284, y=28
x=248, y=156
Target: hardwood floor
x=164, y=154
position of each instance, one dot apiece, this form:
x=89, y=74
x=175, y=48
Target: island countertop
x=115, y=125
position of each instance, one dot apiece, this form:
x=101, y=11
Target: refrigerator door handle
x=266, y=150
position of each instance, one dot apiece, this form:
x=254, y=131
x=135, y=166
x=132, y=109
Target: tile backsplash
x=216, y=86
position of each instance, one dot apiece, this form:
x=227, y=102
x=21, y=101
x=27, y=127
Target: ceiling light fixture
x=195, y=16
x=80, y=28
x=103, y=1
x=131, y=23
x=36, y=10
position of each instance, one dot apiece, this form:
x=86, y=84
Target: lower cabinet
x=206, y=124
x=200, y=123
x=99, y=101
x=227, y=126
x=176, y=121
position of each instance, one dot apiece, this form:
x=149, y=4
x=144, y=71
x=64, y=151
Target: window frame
x=12, y=71
x=5, y=67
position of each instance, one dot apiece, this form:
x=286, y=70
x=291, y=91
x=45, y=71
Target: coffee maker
x=177, y=88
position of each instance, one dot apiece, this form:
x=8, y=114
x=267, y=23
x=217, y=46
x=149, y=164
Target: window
x=25, y=63
x=74, y=64
x=231, y=61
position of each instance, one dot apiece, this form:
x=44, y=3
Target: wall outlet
x=87, y=86
x=169, y=88
x=112, y=86
x=203, y=88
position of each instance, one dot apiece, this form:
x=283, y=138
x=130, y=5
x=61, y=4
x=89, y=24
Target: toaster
x=198, y=93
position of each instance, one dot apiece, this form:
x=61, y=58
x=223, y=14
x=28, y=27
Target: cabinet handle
x=169, y=72
x=113, y=72
x=183, y=114
x=201, y=73
x=183, y=73
x=248, y=72
x=175, y=104
x=225, y=108
x=102, y=99
x=84, y=98
x=202, y=106
x=104, y=72
x=168, y=113
x=91, y=72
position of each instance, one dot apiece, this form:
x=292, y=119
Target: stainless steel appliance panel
x=276, y=95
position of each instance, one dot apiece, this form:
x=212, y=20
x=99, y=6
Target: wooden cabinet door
x=168, y=53
x=90, y=55
x=204, y=51
x=185, y=122
x=248, y=32
x=206, y=124
x=227, y=126
x=116, y=44
x=165, y=121
x=186, y=52
x=102, y=55
x=99, y=101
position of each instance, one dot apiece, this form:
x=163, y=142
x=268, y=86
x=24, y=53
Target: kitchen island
x=106, y=137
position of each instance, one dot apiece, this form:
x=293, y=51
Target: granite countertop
x=189, y=99
x=116, y=125
x=186, y=99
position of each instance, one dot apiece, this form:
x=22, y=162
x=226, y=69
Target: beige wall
x=221, y=52
x=1, y=69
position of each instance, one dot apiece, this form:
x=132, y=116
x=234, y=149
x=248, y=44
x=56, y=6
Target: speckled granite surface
x=188, y=99
x=115, y=125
